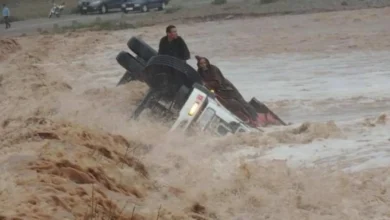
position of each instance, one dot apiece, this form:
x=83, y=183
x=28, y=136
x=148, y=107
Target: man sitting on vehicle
x=225, y=91
x=173, y=45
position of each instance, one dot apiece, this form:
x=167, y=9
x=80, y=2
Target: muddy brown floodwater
x=68, y=150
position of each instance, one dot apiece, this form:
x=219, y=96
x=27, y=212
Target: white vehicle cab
x=203, y=111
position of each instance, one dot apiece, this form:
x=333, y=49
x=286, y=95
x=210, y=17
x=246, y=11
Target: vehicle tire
x=140, y=60
x=125, y=11
x=103, y=9
x=82, y=12
x=162, y=7
x=163, y=69
x=141, y=48
x=144, y=9
x=129, y=62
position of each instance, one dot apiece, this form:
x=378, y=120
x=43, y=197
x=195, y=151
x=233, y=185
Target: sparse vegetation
x=219, y=2
x=98, y=25
x=109, y=212
x=172, y=9
x=12, y=19
x=266, y=1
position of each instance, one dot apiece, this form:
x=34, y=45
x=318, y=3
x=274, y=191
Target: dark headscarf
x=214, y=79
x=227, y=93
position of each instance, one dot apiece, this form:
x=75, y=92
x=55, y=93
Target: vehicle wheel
x=140, y=60
x=83, y=12
x=129, y=62
x=170, y=71
x=103, y=9
x=141, y=48
x=162, y=7
x=125, y=11
x=144, y=8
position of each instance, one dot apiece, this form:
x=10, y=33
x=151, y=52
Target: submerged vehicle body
x=177, y=95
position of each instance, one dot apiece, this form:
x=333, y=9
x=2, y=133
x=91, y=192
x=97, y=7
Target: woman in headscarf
x=226, y=92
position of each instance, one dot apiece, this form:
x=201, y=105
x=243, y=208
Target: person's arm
x=161, y=47
x=217, y=79
x=184, y=52
x=218, y=76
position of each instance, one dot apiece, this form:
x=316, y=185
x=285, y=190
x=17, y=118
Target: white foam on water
x=318, y=87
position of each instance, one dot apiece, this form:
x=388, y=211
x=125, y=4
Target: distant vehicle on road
x=143, y=5
x=101, y=6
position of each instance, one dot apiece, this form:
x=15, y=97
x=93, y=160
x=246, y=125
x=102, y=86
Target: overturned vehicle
x=177, y=95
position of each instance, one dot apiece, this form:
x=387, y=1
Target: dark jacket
x=176, y=48
x=226, y=92
x=214, y=80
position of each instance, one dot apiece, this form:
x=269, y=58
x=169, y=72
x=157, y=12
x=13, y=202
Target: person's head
x=203, y=63
x=4, y=5
x=171, y=32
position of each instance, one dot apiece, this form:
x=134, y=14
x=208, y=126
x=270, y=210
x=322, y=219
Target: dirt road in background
x=179, y=11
